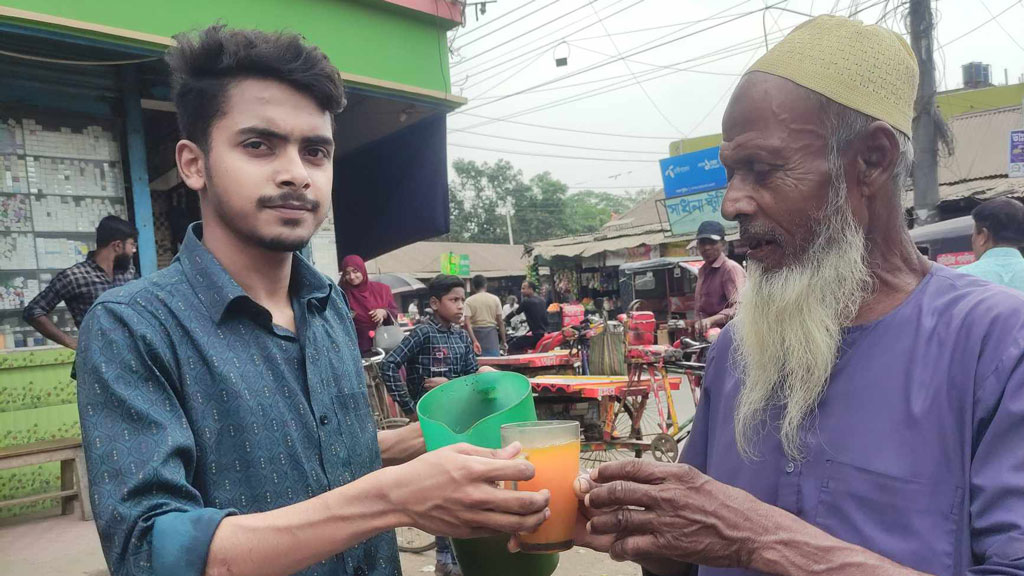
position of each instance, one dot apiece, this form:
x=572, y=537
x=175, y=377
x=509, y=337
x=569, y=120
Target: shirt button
x=790, y=467
x=324, y=420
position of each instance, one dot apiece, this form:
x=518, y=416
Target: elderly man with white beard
x=864, y=413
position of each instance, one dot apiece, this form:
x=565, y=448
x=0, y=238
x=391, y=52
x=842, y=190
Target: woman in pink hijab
x=371, y=302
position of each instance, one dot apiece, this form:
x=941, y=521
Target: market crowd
x=862, y=412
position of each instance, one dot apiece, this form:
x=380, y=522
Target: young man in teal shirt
x=998, y=233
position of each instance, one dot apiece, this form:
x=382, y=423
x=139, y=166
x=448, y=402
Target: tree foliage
x=541, y=207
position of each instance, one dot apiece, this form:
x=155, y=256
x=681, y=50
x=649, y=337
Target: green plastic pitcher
x=472, y=409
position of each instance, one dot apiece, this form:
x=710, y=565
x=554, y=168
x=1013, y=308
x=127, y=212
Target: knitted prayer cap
x=867, y=68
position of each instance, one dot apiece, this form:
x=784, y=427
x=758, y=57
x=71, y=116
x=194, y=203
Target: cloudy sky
x=682, y=61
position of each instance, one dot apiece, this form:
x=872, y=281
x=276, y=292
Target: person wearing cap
x=719, y=280
x=996, y=240
x=864, y=411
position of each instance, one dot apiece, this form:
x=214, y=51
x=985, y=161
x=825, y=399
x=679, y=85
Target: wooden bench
x=74, y=482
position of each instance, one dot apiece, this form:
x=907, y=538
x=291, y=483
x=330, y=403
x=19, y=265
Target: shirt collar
x=439, y=326
x=1001, y=252
x=720, y=262
x=218, y=290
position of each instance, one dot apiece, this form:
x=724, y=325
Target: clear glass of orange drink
x=553, y=447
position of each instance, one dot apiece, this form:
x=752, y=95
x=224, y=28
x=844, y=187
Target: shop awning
x=658, y=264
x=591, y=245
x=393, y=191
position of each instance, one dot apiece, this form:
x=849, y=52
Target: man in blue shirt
x=998, y=235
x=224, y=413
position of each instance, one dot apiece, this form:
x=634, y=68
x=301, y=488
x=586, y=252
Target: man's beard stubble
x=269, y=243
x=790, y=325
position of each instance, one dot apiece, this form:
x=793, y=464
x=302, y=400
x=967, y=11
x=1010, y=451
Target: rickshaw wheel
x=664, y=448
x=623, y=425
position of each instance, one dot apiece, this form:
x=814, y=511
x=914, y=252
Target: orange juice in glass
x=553, y=447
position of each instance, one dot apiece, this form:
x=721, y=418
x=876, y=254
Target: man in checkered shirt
x=433, y=353
x=109, y=266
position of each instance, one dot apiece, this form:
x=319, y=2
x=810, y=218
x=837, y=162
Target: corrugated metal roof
x=981, y=145
x=423, y=259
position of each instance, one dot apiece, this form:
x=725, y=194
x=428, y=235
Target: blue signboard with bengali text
x=692, y=173
x=685, y=213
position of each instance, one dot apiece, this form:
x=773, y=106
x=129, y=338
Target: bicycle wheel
x=414, y=540
x=591, y=459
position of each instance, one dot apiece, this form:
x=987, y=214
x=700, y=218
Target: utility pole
x=508, y=220
x=925, y=137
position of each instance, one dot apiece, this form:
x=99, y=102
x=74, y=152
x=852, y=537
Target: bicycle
x=388, y=416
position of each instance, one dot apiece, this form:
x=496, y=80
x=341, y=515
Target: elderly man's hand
x=659, y=512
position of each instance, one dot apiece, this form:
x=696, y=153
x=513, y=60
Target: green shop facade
x=87, y=129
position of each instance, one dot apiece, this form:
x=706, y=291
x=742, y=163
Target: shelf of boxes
x=17, y=252
x=15, y=213
x=92, y=143
x=56, y=183
x=65, y=214
x=60, y=252
x=13, y=170
x=73, y=177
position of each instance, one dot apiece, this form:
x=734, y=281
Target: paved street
x=66, y=546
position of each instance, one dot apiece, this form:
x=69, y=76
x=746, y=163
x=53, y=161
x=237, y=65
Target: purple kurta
x=917, y=451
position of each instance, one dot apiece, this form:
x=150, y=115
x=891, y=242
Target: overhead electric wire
x=527, y=33
x=499, y=17
x=493, y=63
x=636, y=82
x=519, y=153
x=982, y=25
x=651, y=75
x=573, y=130
x=568, y=36
x=607, y=62
x=1005, y=31
x=603, y=90
x=542, y=143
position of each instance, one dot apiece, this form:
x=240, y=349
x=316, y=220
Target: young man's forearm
x=401, y=445
x=286, y=540
x=47, y=328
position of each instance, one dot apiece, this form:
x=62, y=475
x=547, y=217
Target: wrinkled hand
x=477, y=348
x=431, y=383
x=378, y=315
x=453, y=492
x=673, y=512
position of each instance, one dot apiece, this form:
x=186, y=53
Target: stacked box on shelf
x=15, y=215
x=72, y=177
x=17, y=252
x=56, y=214
x=92, y=143
x=59, y=253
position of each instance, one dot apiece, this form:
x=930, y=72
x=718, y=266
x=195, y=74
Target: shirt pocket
x=357, y=437
x=911, y=522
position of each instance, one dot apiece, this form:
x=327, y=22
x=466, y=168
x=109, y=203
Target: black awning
x=393, y=191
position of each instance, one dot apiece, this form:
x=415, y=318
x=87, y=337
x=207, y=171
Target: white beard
x=789, y=327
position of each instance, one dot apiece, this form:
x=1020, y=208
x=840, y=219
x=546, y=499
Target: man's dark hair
x=206, y=63
x=442, y=284
x=479, y=282
x=1004, y=220
x=111, y=229
x=532, y=285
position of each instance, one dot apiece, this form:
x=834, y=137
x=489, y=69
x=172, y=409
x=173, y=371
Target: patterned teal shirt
x=195, y=406
x=1003, y=266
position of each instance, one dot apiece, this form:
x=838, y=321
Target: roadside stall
x=665, y=287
